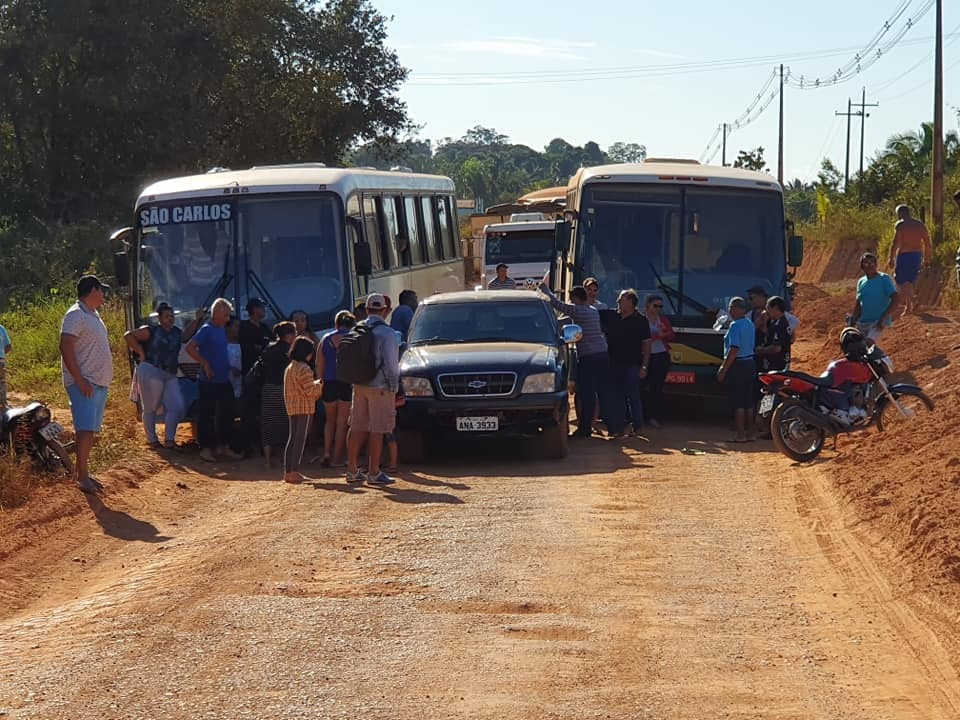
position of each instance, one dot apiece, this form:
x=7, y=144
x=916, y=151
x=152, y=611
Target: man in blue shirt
x=215, y=408
x=876, y=299
x=738, y=371
x=401, y=317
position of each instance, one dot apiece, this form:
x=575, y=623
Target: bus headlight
x=417, y=387
x=540, y=383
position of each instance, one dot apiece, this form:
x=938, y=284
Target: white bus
x=526, y=244
x=302, y=237
x=693, y=234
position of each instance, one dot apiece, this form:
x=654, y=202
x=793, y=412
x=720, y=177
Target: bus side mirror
x=795, y=251
x=362, y=258
x=561, y=236
x=121, y=269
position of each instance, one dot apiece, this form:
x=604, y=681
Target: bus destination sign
x=192, y=213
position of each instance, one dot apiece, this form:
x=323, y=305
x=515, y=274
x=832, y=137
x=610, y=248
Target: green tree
x=621, y=152
x=750, y=159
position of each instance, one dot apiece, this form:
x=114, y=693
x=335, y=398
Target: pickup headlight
x=540, y=383
x=417, y=387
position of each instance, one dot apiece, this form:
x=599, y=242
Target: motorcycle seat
x=12, y=414
x=818, y=380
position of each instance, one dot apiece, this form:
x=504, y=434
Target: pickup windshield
x=519, y=246
x=484, y=321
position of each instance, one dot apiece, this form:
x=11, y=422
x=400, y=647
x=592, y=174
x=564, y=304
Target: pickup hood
x=479, y=357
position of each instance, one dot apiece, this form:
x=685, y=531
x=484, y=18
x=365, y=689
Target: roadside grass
x=33, y=369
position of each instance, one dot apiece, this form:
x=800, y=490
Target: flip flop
x=738, y=440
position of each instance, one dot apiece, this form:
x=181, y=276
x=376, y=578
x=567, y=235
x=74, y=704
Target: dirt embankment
x=903, y=484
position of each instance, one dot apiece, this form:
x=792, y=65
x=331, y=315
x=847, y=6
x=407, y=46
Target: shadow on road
x=418, y=497
x=123, y=526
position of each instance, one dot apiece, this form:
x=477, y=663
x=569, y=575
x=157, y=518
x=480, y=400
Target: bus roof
x=675, y=172
x=305, y=177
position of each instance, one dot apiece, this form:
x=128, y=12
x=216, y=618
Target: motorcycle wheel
x=793, y=437
x=914, y=402
x=54, y=454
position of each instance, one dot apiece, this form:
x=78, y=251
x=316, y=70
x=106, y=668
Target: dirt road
x=634, y=580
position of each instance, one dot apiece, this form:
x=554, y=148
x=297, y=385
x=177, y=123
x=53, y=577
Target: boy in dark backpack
x=368, y=357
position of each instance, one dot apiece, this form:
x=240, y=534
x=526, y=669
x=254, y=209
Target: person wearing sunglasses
x=661, y=333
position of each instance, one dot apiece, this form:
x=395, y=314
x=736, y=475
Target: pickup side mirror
x=362, y=258
x=561, y=236
x=571, y=334
x=121, y=269
x=795, y=251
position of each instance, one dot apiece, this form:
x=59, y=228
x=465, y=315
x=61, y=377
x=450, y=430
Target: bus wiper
x=220, y=288
x=672, y=293
x=258, y=285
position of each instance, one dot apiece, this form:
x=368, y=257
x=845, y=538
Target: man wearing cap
x=501, y=281
x=373, y=409
x=876, y=299
x=87, y=366
x=911, y=250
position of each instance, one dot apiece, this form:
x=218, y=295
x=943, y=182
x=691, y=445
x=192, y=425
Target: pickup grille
x=477, y=384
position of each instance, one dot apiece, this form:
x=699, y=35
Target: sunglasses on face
x=657, y=306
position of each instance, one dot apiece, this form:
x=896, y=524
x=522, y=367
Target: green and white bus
x=302, y=237
x=693, y=234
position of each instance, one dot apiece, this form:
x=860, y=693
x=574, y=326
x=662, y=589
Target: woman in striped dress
x=274, y=424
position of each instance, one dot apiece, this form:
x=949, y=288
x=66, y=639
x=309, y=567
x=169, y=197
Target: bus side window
x=431, y=229
x=374, y=235
x=413, y=232
x=395, y=240
x=448, y=228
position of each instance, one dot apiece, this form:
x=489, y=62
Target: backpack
x=356, y=356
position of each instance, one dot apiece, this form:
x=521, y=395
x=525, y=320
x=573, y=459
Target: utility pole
x=723, y=157
x=780, y=147
x=936, y=200
x=863, y=105
x=846, y=167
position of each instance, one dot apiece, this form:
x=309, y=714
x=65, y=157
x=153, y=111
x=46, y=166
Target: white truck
x=525, y=245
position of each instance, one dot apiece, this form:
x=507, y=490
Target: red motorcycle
x=852, y=395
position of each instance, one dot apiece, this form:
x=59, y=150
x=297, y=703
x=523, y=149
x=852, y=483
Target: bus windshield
x=291, y=246
x=695, y=246
x=519, y=246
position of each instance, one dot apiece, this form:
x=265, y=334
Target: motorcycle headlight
x=43, y=414
x=540, y=383
x=417, y=387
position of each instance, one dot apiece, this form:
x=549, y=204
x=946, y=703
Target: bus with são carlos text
x=696, y=235
x=301, y=237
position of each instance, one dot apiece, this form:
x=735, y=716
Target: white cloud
x=524, y=47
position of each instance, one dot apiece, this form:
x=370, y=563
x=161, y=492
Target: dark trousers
x=625, y=398
x=215, y=413
x=657, y=370
x=299, y=429
x=593, y=383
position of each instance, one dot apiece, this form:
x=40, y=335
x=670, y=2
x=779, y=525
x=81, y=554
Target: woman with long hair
x=661, y=333
x=302, y=322
x=300, y=393
x=274, y=425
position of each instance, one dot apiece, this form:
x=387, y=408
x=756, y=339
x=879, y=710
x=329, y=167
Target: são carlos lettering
x=185, y=214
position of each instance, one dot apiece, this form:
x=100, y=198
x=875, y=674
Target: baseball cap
x=502, y=265
x=591, y=281
x=868, y=256
x=738, y=302
x=88, y=283
x=376, y=301
x=757, y=290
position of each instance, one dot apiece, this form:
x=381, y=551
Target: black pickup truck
x=489, y=363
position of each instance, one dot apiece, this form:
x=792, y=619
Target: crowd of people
x=275, y=379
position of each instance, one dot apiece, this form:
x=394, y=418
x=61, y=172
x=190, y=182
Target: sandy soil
x=675, y=578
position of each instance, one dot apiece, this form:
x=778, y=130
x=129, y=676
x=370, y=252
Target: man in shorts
x=911, y=250
x=87, y=366
x=373, y=409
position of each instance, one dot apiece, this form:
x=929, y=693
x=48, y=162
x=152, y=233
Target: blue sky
x=651, y=72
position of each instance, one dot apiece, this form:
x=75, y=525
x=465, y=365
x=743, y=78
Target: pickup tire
x=554, y=440
x=411, y=446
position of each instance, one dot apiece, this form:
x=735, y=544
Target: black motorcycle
x=31, y=431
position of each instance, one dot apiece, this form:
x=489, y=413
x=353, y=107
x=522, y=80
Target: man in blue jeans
x=593, y=363
x=215, y=409
x=628, y=338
